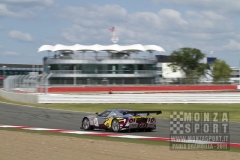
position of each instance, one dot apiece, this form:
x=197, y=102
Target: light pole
x=49, y=68
x=74, y=79
x=4, y=74
x=4, y=71
x=33, y=68
x=239, y=73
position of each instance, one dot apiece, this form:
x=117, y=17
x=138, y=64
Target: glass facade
x=10, y=71
x=116, y=69
x=102, y=68
x=14, y=72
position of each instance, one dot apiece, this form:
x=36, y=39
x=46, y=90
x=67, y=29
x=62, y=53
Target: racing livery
x=118, y=120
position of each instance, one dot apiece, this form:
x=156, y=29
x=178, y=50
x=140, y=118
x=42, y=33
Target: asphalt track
x=11, y=114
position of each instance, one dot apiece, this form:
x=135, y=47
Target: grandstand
x=101, y=65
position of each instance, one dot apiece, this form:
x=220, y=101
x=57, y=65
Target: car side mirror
x=96, y=113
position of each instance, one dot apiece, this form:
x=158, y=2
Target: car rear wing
x=137, y=112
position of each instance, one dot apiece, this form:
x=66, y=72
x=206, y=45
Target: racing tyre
x=86, y=124
x=115, y=125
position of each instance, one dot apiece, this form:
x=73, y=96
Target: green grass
x=233, y=109
x=99, y=138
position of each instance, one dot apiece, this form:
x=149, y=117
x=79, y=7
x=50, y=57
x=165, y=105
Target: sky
x=213, y=26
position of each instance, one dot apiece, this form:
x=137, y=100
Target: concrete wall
x=142, y=88
x=19, y=97
x=174, y=98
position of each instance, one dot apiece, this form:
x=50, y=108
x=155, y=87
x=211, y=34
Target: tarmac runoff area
x=141, y=98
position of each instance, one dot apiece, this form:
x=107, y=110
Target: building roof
x=98, y=48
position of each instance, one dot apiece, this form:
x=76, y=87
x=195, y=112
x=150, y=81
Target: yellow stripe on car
x=108, y=122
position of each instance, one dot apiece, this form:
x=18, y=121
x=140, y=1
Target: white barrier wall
x=19, y=97
x=142, y=98
x=124, y=98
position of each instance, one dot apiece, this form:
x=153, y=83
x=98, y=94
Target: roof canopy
x=97, y=48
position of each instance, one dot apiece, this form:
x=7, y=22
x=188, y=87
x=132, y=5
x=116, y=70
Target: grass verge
x=113, y=139
x=232, y=109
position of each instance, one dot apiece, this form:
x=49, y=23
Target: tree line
x=190, y=62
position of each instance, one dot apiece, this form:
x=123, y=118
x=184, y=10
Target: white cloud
x=5, y=12
x=208, y=21
x=223, y=6
x=73, y=34
x=20, y=36
x=172, y=20
x=100, y=14
x=22, y=8
x=232, y=45
x=168, y=28
x=29, y=2
x=79, y=34
x=93, y=22
x=172, y=15
x=11, y=53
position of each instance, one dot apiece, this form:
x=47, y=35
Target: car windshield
x=104, y=114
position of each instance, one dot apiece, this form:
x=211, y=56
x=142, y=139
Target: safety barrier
x=142, y=98
x=19, y=97
x=141, y=88
x=123, y=98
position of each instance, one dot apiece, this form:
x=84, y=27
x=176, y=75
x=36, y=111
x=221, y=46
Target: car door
x=101, y=118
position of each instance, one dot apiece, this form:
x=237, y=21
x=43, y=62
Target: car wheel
x=86, y=124
x=115, y=125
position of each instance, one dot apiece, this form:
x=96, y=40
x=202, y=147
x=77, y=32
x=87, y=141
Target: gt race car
x=118, y=120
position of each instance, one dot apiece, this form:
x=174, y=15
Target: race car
x=117, y=120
